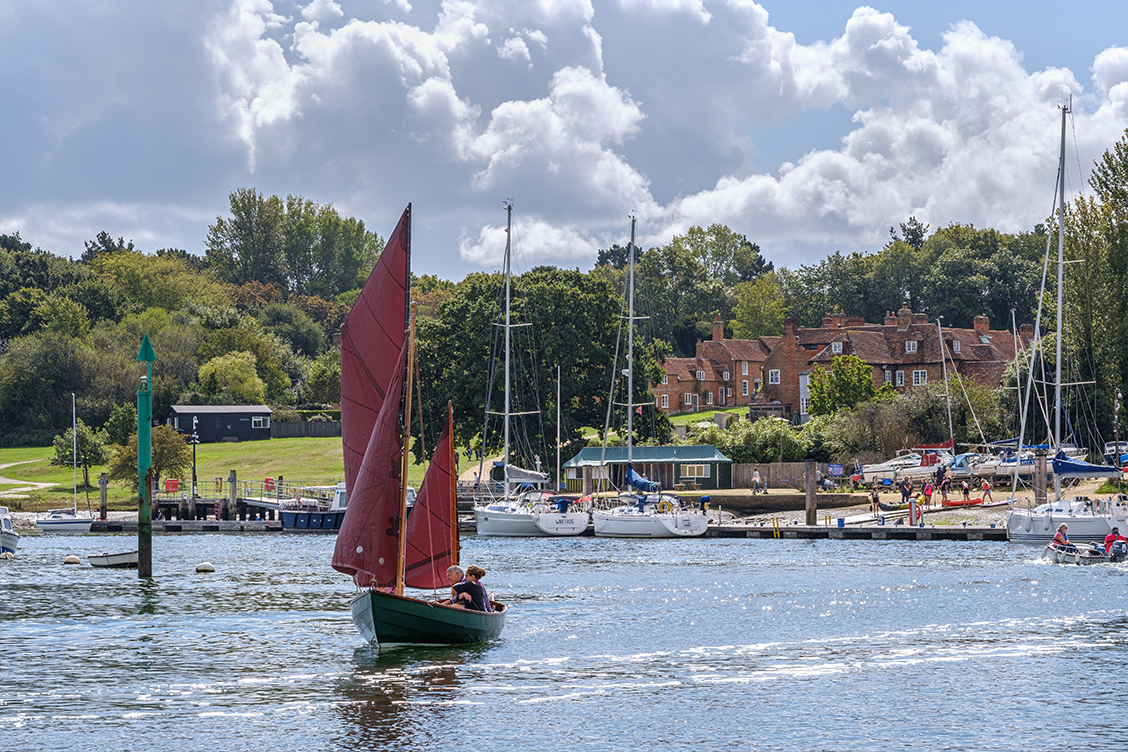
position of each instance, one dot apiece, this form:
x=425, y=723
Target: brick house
x=723, y=373
x=904, y=350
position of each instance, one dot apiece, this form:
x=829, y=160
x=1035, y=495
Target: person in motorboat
x=470, y=594
x=1061, y=538
x=1112, y=538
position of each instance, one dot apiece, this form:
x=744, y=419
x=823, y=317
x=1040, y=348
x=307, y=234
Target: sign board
x=835, y=470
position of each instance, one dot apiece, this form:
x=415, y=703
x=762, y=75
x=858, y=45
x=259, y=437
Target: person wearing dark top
x=1112, y=538
x=470, y=593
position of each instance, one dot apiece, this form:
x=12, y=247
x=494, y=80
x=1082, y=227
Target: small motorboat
x=9, y=538
x=1081, y=555
x=127, y=560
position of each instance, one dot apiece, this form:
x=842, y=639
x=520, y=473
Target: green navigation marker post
x=145, y=463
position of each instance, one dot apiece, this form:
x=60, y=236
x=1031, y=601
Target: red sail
x=371, y=338
x=368, y=542
x=432, y=526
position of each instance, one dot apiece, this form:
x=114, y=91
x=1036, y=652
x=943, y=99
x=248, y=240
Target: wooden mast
x=402, y=543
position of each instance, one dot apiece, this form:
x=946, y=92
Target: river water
x=610, y=645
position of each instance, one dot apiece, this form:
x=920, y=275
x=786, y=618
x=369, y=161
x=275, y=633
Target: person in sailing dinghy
x=470, y=593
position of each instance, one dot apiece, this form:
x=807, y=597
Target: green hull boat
x=387, y=620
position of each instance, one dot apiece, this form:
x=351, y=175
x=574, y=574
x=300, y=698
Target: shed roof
x=589, y=456
x=219, y=409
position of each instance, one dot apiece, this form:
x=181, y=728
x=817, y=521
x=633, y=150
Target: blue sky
x=809, y=125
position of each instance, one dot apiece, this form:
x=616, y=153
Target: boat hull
x=127, y=560
x=312, y=522
x=388, y=620
x=1075, y=555
x=659, y=525
x=9, y=541
x=64, y=525
x=529, y=524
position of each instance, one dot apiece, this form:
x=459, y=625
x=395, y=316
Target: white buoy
x=205, y=566
x=72, y=559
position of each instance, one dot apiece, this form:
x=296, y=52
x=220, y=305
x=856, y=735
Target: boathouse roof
x=590, y=456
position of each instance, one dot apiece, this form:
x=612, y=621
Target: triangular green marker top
x=146, y=352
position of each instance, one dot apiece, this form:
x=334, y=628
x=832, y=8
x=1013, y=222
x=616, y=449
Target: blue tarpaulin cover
x=1068, y=468
x=639, y=483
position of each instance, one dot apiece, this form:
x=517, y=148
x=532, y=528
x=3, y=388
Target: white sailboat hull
x=529, y=524
x=681, y=524
x=64, y=524
x=1088, y=523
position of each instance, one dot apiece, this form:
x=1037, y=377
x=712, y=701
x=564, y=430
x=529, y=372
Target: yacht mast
x=1061, y=299
x=630, y=351
x=508, y=232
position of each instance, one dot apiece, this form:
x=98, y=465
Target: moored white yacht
x=648, y=514
x=1089, y=520
x=68, y=520
x=529, y=515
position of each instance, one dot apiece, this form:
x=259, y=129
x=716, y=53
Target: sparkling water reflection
x=720, y=644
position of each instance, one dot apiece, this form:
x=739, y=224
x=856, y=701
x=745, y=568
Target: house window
x=773, y=376
x=709, y=398
x=665, y=378
x=956, y=346
x=695, y=471
x=725, y=375
x=900, y=378
x=836, y=348
x=920, y=378
x=888, y=377
x=744, y=368
x=176, y=423
x=910, y=345
x=744, y=388
x=688, y=398
x=756, y=384
x=260, y=421
x=665, y=400
x=729, y=391
x=700, y=375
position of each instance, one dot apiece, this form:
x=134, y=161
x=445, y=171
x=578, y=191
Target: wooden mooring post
x=810, y=485
x=103, y=481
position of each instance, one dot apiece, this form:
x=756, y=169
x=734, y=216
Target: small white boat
x=649, y=516
x=531, y=514
x=9, y=538
x=127, y=560
x=64, y=521
x=1084, y=555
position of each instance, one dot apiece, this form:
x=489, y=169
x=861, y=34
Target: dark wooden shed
x=214, y=423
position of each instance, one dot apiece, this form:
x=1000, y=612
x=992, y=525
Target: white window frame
x=888, y=377
x=665, y=378
x=708, y=398
x=956, y=346
x=700, y=375
x=688, y=398
x=910, y=345
x=694, y=471
x=260, y=421
x=744, y=388
x=900, y=378
x=725, y=376
x=836, y=348
x=744, y=368
x=773, y=376
x=665, y=401
x=729, y=391
x=920, y=378
x=756, y=384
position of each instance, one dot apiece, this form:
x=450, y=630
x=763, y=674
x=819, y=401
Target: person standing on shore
x=987, y=491
x=906, y=487
x=875, y=497
x=757, y=484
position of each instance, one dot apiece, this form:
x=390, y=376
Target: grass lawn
x=310, y=460
x=683, y=419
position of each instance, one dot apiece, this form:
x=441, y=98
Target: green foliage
x=233, y=379
x=16, y=310
x=122, y=424
x=323, y=385
x=37, y=375
x=292, y=325
x=849, y=381
x=172, y=457
x=92, y=449
x=104, y=243
x=268, y=354
x=157, y=281
x=760, y=308
x=61, y=316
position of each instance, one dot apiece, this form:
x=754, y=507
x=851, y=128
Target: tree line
x=251, y=320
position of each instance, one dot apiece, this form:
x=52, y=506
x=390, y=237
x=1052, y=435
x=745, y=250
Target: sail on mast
x=371, y=337
x=432, y=526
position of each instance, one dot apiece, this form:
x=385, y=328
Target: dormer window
x=726, y=375
x=700, y=375
x=956, y=346
x=910, y=345
x=836, y=348
x=665, y=378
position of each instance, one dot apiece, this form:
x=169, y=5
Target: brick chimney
x=791, y=328
x=839, y=319
x=718, y=329
x=982, y=325
x=828, y=321
x=904, y=317
x=890, y=319
x=1026, y=330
